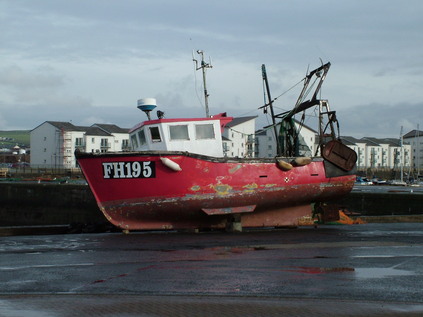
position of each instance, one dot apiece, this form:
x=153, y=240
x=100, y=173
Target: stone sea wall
x=33, y=204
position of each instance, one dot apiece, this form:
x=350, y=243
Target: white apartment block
x=53, y=143
x=265, y=142
x=414, y=138
x=238, y=137
x=379, y=153
x=371, y=152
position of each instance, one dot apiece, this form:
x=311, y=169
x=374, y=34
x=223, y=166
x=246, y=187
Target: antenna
x=203, y=67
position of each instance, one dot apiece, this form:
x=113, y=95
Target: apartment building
x=379, y=153
x=53, y=143
x=238, y=137
x=265, y=142
x=414, y=139
x=371, y=152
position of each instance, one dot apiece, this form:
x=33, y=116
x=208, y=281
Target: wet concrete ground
x=366, y=270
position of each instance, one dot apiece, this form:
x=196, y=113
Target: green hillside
x=9, y=139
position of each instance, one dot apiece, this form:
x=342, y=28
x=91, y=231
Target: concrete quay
x=357, y=270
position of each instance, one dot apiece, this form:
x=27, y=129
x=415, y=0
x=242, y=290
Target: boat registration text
x=129, y=170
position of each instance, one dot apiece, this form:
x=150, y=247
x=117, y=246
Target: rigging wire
x=196, y=88
x=285, y=92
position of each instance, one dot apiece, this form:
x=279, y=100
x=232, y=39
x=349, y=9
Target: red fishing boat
x=177, y=176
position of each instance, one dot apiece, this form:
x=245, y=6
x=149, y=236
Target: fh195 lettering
x=129, y=170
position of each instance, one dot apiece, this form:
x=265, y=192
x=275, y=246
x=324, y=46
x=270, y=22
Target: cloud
x=24, y=85
x=16, y=77
x=89, y=58
x=379, y=120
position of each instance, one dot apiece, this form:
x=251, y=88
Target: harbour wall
x=395, y=203
x=46, y=204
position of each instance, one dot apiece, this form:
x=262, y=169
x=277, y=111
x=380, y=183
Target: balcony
x=80, y=146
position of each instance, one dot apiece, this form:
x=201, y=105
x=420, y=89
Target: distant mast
x=401, y=156
x=203, y=67
x=418, y=150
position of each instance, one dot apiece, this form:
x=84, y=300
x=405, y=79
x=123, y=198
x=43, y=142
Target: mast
x=203, y=67
x=270, y=104
x=401, y=156
x=418, y=150
x=288, y=142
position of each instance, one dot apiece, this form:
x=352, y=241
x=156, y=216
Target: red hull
x=207, y=192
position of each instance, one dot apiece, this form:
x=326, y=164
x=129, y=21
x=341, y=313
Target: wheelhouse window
x=134, y=141
x=204, y=131
x=178, y=132
x=141, y=136
x=155, y=134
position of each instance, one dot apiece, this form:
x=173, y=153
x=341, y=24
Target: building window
x=125, y=144
x=178, y=132
x=93, y=140
x=45, y=150
x=104, y=143
x=155, y=134
x=204, y=131
x=78, y=141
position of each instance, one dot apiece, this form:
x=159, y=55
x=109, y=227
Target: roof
x=349, y=140
x=370, y=141
x=66, y=126
x=96, y=131
x=392, y=141
x=376, y=141
x=237, y=121
x=413, y=134
x=261, y=132
x=111, y=128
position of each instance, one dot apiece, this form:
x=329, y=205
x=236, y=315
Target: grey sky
x=88, y=61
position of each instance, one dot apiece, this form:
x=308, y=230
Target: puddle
x=371, y=272
x=319, y=270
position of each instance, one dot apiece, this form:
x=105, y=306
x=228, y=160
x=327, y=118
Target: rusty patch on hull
x=228, y=210
x=280, y=206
